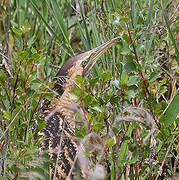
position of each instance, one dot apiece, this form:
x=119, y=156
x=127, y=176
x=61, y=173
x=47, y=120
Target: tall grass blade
x=83, y=38
x=85, y=25
x=133, y=12
x=171, y=37
x=41, y=17
x=59, y=19
x=151, y=4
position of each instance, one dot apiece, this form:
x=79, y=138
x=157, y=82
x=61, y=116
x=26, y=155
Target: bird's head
x=81, y=64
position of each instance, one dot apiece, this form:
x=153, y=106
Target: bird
x=59, y=133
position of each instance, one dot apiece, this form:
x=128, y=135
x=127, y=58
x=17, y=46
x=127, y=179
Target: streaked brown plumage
x=59, y=132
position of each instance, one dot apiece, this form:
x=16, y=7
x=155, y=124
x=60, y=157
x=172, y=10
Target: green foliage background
x=141, y=70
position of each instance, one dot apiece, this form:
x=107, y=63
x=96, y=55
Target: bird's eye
x=84, y=63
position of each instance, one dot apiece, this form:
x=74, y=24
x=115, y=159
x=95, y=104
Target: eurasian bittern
x=59, y=131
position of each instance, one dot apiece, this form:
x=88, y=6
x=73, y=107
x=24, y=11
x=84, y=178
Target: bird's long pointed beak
x=96, y=53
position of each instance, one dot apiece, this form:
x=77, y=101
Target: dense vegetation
x=130, y=99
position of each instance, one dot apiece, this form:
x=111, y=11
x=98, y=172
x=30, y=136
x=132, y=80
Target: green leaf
x=31, y=41
x=111, y=142
x=35, y=84
x=125, y=51
x=130, y=67
x=115, y=99
x=87, y=100
x=115, y=83
x=133, y=161
x=164, y=81
x=106, y=76
x=35, y=56
x=122, y=153
x=126, y=38
x=163, y=89
x=93, y=81
x=79, y=79
x=124, y=78
x=131, y=93
x=40, y=126
x=125, y=19
x=172, y=111
x=26, y=27
x=2, y=76
x=154, y=76
x=133, y=80
x=7, y=115
x=17, y=31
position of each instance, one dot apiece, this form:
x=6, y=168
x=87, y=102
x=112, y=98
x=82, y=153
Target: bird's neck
x=63, y=104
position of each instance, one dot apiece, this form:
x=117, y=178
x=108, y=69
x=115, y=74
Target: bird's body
x=59, y=137
x=59, y=131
